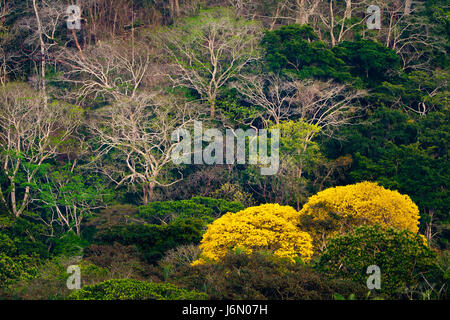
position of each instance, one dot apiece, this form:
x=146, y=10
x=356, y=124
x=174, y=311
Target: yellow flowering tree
x=336, y=210
x=269, y=227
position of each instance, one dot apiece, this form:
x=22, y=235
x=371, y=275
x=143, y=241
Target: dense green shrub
x=7, y=246
x=219, y=206
x=28, y=237
x=14, y=263
x=130, y=289
x=70, y=244
x=261, y=275
x=402, y=256
x=204, y=208
x=297, y=49
x=163, y=212
x=50, y=280
x=154, y=240
x=16, y=268
x=368, y=60
x=407, y=153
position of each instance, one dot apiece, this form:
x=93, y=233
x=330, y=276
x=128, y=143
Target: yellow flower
x=336, y=210
x=269, y=226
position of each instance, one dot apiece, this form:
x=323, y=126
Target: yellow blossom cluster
x=336, y=210
x=269, y=227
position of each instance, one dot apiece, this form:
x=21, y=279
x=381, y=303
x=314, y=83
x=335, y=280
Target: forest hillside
x=224, y=149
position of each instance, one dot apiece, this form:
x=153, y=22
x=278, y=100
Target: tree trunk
x=77, y=222
x=13, y=199
x=177, y=8
x=42, y=45
x=145, y=194
x=407, y=10
x=348, y=9
x=149, y=188
x=274, y=21
x=213, y=107
x=333, y=39
x=429, y=227
x=174, y=8
x=301, y=16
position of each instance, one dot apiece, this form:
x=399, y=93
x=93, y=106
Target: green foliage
x=218, y=206
x=163, y=212
x=261, y=276
x=203, y=208
x=69, y=244
x=403, y=258
x=295, y=136
x=435, y=15
x=368, y=60
x=419, y=91
x=28, y=237
x=338, y=296
x=399, y=138
x=50, y=281
x=75, y=194
x=130, y=289
x=15, y=264
x=230, y=103
x=407, y=153
x=300, y=156
x=16, y=268
x=296, y=50
x=154, y=240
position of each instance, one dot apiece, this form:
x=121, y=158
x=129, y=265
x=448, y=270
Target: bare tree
x=410, y=36
x=407, y=7
x=112, y=70
x=305, y=9
x=272, y=93
x=43, y=50
x=137, y=132
x=4, y=11
x=335, y=18
x=326, y=104
x=178, y=8
x=207, y=54
x=113, y=19
x=45, y=17
x=31, y=133
x=270, y=13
